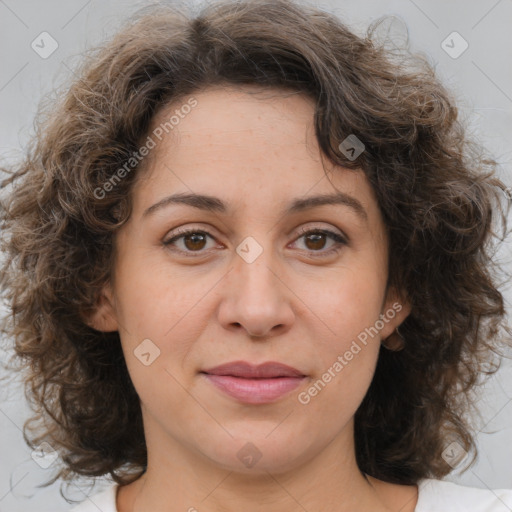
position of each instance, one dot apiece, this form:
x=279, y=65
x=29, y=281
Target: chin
x=260, y=456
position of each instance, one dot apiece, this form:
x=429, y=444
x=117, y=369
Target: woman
x=248, y=265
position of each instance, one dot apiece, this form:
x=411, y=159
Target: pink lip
x=254, y=384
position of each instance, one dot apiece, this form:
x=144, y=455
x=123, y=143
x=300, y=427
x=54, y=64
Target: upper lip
x=267, y=370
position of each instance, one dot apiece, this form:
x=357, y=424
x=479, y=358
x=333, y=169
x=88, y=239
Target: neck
x=180, y=479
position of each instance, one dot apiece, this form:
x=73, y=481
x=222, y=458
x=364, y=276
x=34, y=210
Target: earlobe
x=396, y=310
x=103, y=317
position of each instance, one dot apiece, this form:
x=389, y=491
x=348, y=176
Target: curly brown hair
x=438, y=194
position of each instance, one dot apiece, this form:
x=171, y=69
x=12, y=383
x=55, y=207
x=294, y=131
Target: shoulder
x=442, y=496
x=104, y=501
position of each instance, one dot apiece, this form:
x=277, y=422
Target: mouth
x=251, y=384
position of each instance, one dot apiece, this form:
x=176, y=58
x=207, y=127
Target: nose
x=255, y=298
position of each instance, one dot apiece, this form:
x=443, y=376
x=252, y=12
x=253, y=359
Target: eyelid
x=340, y=240
x=179, y=232
x=307, y=229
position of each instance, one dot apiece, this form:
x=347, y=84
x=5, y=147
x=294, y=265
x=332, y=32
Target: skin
x=256, y=152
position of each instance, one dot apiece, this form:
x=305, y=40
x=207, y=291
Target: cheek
x=156, y=300
x=349, y=308
x=160, y=318
x=348, y=354
x=334, y=396
x=350, y=304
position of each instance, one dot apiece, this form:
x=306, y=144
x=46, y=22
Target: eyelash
x=340, y=240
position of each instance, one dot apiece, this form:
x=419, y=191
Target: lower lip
x=255, y=391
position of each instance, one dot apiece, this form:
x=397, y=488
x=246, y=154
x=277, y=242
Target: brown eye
x=194, y=241
x=191, y=241
x=315, y=241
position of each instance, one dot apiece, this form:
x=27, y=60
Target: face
x=258, y=272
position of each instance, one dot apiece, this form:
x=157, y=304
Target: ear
x=103, y=316
x=395, y=310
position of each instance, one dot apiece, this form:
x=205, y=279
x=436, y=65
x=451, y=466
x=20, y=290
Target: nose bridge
x=255, y=298
x=254, y=272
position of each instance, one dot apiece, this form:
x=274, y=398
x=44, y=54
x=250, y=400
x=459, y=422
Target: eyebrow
x=216, y=205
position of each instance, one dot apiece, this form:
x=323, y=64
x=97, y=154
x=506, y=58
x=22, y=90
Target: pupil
x=194, y=237
x=316, y=238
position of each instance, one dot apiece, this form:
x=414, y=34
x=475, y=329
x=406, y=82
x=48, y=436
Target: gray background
x=481, y=78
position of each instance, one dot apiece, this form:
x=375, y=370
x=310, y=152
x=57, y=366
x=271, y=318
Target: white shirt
x=433, y=496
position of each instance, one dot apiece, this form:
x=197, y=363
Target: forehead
x=247, y=145
x=230, y=120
